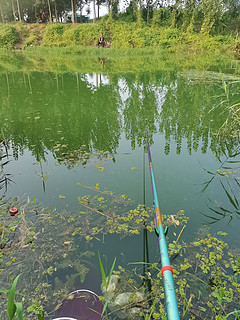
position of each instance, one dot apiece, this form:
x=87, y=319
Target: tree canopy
x=216, y=16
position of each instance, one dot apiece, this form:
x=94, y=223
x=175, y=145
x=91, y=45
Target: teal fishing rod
x=166, y=270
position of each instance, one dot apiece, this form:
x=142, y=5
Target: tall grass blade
x=206, y=184
x=229, y=197
x=217, y=212
x=152, y=307
x=4, y=290
x=210, y=217
x=19, y=310
x=104, y=308
x=11, y=307
x=111, y=271
x=102, y=270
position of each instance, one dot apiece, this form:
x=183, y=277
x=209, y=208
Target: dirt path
x=28, y=33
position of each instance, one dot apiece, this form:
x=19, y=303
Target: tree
x=1, y=12
x=212, y=11
x=73, y=11
x=19, y=11
x=94, y=11
x=114, y=7
x=50, y=12
x=13, y=10
x=189, y=13
x=149, y=9
x=56, y=12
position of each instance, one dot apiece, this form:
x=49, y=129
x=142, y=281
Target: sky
x=104, y=9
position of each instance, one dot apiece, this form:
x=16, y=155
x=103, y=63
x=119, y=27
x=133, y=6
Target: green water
x=47, y=117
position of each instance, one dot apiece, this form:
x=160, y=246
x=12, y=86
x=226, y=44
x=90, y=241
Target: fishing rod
x=166, y=271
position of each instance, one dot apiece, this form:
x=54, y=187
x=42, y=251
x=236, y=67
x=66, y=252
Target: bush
x=131, y=35
x=54, y=33
x=121, y=36
x=204, y=42
x=32, y=40
x=83, y=34
x=162, y=37
x=71, y=35
x=128, y=35
x=8, y=36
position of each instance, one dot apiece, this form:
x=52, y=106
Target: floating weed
x=62, y=197
x=80, y=156
x=100, y=168
x=37, y=309
x=227, y=173
x=205, y=280
x=203, y=267
x=55, y=234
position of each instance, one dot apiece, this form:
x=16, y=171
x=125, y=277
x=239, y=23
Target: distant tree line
x=31, y=10
x=217, y=16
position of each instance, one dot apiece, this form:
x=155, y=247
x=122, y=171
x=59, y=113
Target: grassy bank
x=119, y=35
x=110, y=61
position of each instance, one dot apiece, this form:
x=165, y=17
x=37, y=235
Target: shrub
x=83, y=34
x=204, y=42
x=131, y=35
x=8, y=36
x=121, y=36
x=128, y=35
x=161, y=17
x=54, y=33
x=161, y=37
x=32, y=40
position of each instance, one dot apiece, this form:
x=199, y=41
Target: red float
x=13, y=211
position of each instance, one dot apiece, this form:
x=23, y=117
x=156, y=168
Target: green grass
x=14, y=309
x=107, y=61
x=105, y=279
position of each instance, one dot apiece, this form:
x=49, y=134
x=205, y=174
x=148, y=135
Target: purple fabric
x=81, y=305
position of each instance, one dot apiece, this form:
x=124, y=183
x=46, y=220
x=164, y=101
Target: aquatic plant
x=230, y=107
x=51, y=254
x=36, y=309
x=51, y=241
x=14, y=309
x=105, y=279
x=201, y=268
x=207, y=282
x=227, y=177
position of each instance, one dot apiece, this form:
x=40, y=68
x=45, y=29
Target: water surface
x=71, y=128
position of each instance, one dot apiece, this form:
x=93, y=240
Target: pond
x=72, y=135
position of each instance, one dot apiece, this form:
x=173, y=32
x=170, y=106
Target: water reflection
x=5, y=177
x=42, y=110
x=71, y=115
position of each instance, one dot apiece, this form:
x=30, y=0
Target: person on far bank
x=43, y=17
x=101, y=41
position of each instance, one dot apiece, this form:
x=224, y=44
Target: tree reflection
x=5, y=178
x=41, y=111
